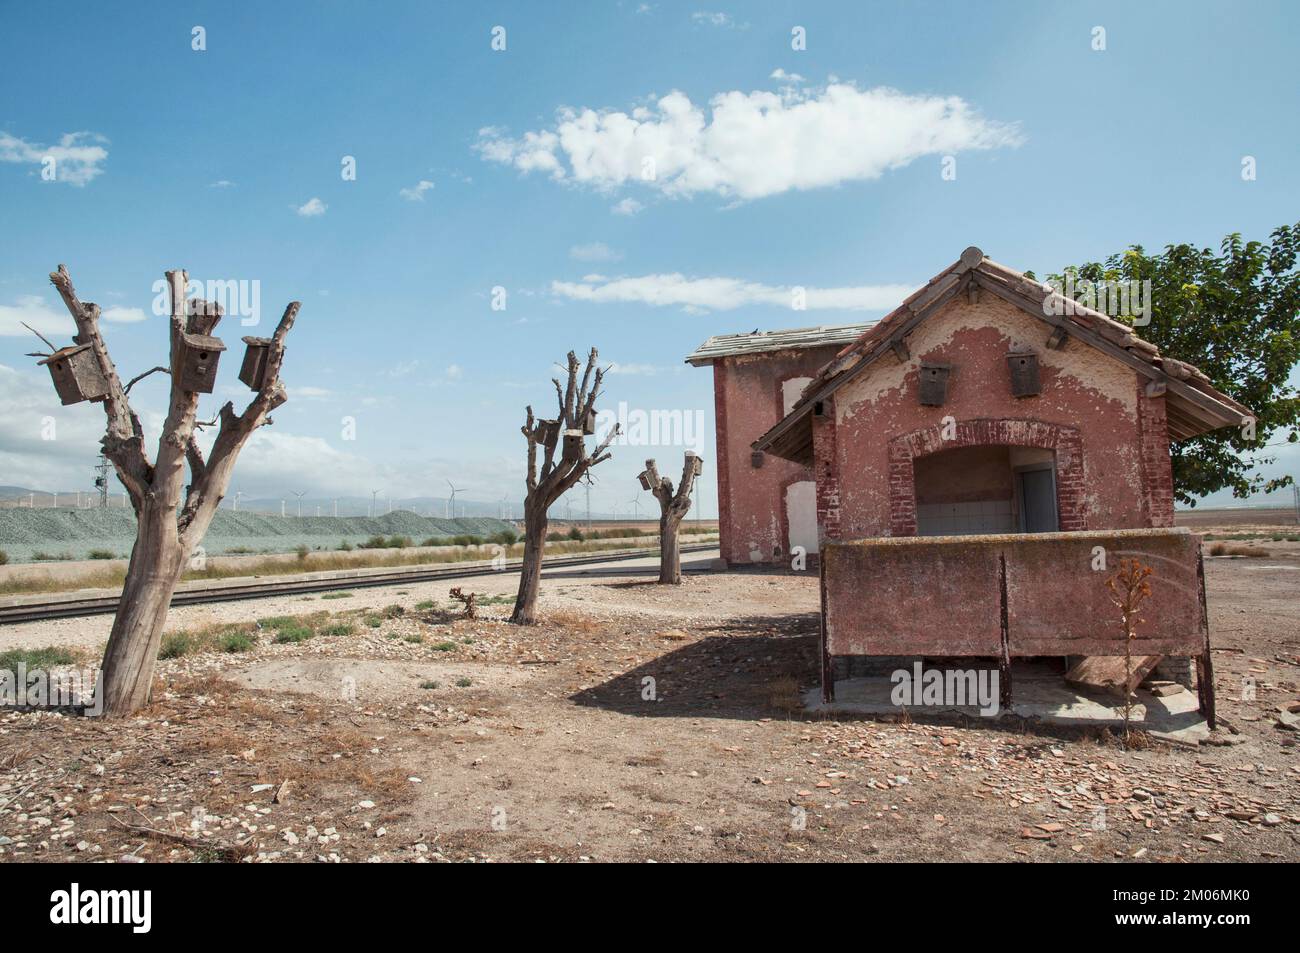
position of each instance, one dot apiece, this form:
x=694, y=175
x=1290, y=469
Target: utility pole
x=101, y=481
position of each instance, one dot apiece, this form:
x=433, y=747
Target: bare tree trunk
x=530, y=580
x=670, y=550
x=169, y=524
x=151, y=578
x=673, y=508
x=566, y=434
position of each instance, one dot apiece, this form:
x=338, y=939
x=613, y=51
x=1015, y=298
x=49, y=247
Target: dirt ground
x=636, y=723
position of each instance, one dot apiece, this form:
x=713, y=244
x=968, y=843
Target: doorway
x=1036, y=489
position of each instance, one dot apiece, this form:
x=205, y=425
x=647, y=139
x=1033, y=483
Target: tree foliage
x=1234, y=314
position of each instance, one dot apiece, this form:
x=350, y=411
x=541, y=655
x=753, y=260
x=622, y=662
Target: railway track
x=99, y=604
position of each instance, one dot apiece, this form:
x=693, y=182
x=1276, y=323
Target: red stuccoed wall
x=1110, y=436
x=943, y=595
x=747, y=403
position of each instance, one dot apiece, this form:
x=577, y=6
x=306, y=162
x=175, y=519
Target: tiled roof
x=759, y=342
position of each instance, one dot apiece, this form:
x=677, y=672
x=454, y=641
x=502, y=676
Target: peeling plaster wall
x=1120, y=429
x=749, y=397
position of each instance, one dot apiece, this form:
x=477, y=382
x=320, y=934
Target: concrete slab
x=1037, y=692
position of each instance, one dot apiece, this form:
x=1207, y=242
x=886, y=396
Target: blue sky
x=211, y=160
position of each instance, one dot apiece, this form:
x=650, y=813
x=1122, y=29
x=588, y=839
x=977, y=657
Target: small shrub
x=374, y=621
x=293, y=633
x=45, y=658
x=4, y=558
x=236, y=642
x=101, y=554
x=426, y=605
x=445, y=647
x=341, y=594
x=575, y=534
x=394, y=611
x=339, y=628
x=413, y=637
x=463, y=682
x=176, y=645
x=302, y=550
x=375, y=542
x=432, y=541
x=507, y=537
x=429, y=685
x=345, y=546
x=554, y=538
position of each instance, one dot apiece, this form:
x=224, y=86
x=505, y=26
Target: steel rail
x=99, y=605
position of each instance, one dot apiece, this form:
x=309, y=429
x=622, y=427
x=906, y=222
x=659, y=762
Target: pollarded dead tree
x=673, y=508
x=169, y=525
x=565, y=460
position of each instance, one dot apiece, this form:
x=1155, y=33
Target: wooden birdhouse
x=934, y=384
x=257, y=356
x=644, y=477
x=1024, y=374
x=198, y=362
x=77, y=375
x=697, y=461
x=548, y=432
x=589, y=422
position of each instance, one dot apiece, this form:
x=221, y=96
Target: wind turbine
x=637, y=504
x=299, y=496
x=451, y=503
x=373, y=494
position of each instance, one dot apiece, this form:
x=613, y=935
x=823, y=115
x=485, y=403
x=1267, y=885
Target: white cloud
x=122, y=315
x=750, y=145
x=699, y=295
x=628, y=206
x=221, y=184
x=594, y=251
x=310, y=393
x=33, y=310
x=454, y=372
x=416, y=192
x=77, y=158
x=312, y=208
x=640, y=370
x=718, y=19
x=779, y=73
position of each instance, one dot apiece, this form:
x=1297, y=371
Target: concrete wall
x=1109, y=438
x=943, y=595
x=752, y=393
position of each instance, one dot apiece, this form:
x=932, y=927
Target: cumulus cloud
x=781, y=74
x=312, y=208
x=749, y=145
x=34, y=311
x=416, y=192
x=594, y=251
x=718, y=19
x=628, y=206
x=122, y=315
x=78, y=157
x=699, y=295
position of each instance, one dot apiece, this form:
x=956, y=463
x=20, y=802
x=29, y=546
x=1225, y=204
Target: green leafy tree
x=1236, y=316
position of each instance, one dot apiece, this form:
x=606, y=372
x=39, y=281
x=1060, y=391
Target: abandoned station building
x=984, y=405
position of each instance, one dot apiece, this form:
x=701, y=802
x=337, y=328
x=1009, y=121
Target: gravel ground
x=426, y=736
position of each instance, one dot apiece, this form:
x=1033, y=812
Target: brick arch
x=986, y=432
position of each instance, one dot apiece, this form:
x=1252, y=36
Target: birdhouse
x=77, y=375
x=1024, y=374
x=198, y=362
x=644, y=477
x=256, y=358
x=934, y=384
x=589, y=422
x=548, y=432
x=697, y=461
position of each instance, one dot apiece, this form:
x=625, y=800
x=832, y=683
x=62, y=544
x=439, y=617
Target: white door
x=801, y=515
